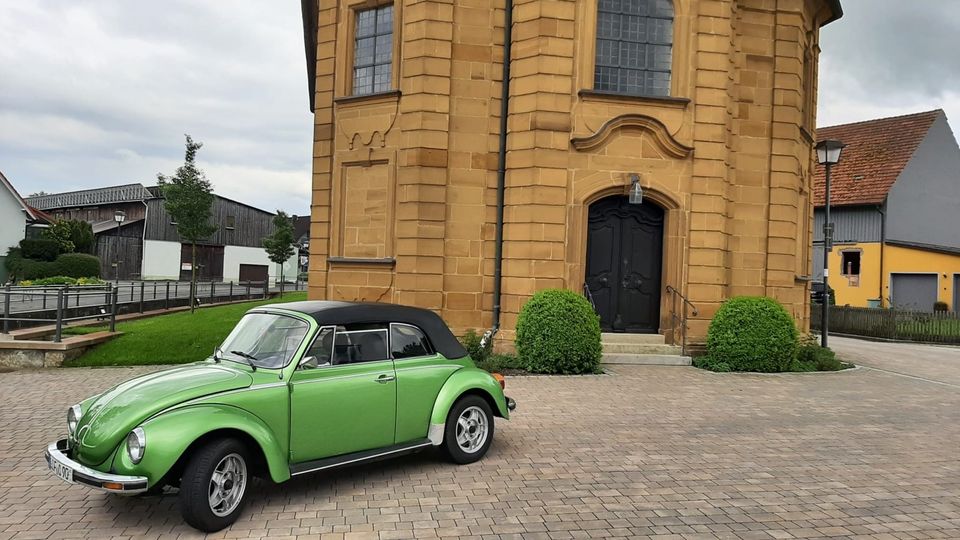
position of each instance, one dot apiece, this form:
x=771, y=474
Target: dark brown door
x=209, y=262
x=253, y=272
x=624, y=260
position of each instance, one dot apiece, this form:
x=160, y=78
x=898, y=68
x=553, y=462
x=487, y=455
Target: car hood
x=117, y=411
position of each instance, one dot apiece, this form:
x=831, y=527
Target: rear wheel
x=469, y=430
x=214, y=485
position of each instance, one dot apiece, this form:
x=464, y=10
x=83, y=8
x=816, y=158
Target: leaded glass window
x=373, y=51
x=634, y=46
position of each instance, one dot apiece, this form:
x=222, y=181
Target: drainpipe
x=883, y=241
x=501, y=172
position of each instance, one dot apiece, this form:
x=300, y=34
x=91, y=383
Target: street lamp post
x=828, y=155
x=118, y=216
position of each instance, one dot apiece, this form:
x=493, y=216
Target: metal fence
x=893, y=324
x=37, y=305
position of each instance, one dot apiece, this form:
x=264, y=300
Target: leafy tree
x=188, y=197
x=38, y=194
x=73, y=235
x=279, y=245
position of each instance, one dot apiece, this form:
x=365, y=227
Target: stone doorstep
x=646, y=359
x=646, y=339
x=640, y=348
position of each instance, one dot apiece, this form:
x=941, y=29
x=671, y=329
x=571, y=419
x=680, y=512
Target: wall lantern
x=636, y=190
x=119, y=216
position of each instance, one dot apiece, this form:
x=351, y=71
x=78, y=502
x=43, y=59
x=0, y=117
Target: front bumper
x=70, y=471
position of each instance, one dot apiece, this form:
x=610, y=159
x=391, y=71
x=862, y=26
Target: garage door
x=915, y=292
x=253, y=272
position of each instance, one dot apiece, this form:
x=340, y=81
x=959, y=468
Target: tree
x=279, y=245
x=188, y=197
x=73, y=235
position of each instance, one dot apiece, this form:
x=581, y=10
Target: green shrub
x=61, y=280
x=558, y=332
x=707, y=362
x=471, y=342
x=752, y=334
x=812, y=357
x=940, y=307
x=21, y=268
x=39, y=249
x=77, y=265
x=498, y=363
x=73, y=235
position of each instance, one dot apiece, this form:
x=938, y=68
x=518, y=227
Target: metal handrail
x=589, y=295
x=680, y=318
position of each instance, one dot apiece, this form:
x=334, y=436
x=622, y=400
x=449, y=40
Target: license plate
x=62, y=471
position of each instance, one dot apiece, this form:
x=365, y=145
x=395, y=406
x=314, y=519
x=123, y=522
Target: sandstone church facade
x=425, y=193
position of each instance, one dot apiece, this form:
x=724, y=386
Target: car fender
x=463, y=381
x=170, y=434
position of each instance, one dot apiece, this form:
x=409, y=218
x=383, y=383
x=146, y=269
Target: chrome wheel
x=472, y=429
x=227, y=484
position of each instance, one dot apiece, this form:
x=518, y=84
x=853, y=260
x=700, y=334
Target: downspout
x=143, y=240
x=501, y=172
x=883, y=241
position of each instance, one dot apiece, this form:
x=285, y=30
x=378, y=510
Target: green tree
x=73, y=235
x=279, y=245
x=188, y=197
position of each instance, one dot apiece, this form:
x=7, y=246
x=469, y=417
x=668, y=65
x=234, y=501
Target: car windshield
x=264, y=340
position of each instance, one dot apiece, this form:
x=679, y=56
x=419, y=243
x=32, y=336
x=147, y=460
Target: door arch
x=624, y=264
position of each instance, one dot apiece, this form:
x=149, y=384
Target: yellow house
x=436, y=184
x=895, y=206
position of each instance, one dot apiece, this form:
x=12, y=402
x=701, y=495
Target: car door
x=343, y=400
x=421, y=372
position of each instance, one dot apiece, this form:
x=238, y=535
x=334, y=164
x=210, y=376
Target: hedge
x=752, y=334
x=41, y=249
x=75, y=265
x=558, y=332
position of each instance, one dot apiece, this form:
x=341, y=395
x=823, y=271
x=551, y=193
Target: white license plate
x=62, y=471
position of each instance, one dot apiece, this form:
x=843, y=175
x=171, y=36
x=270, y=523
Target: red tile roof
x=876, y=153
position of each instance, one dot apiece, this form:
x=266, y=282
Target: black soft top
x=328, y=312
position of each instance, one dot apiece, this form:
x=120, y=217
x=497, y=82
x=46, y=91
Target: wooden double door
x=624, y=264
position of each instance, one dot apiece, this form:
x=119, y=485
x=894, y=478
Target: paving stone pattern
x=660, y=452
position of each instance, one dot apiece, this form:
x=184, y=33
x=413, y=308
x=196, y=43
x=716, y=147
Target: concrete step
x=646, y=359
x=640, y=348
x=648, y=339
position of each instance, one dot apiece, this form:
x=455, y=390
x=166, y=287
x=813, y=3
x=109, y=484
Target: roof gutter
x=308, y=9
x=501, y=173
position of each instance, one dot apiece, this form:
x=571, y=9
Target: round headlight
x=136, y=444
x=73, y=418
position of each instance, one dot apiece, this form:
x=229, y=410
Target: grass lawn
x=177, y=338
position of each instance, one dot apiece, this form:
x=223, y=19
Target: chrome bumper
x=80, y=474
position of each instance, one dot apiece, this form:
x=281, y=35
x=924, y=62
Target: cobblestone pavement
x=657, y=452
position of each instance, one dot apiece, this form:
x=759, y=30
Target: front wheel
x=214, y=485
x=469, y=430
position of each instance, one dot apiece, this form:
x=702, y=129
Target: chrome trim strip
x=363, y=458
x=453, y=367
x=435, y=434
x=53, y=453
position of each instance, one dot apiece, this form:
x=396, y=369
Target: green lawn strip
x=177, y=338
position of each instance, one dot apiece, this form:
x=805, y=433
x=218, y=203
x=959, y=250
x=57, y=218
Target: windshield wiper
x=249, y=358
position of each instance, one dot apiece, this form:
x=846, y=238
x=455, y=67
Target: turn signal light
x=501, y=380
x=111, y=485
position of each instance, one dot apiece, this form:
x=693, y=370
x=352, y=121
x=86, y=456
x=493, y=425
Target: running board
x=358, y=457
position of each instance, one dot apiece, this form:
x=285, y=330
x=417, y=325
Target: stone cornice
x=654, y=127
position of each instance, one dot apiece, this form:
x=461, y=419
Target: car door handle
x=383, y=379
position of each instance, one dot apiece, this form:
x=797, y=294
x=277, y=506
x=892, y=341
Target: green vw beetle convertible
x=295, y=388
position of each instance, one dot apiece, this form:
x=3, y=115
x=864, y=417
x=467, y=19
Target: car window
x=321, y=351
x=356, y=346
x=267, y=340
x=408, y=342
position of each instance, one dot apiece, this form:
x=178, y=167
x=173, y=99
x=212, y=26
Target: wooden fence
x=891, y=324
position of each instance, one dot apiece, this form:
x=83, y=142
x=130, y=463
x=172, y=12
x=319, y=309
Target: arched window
x=634, y=47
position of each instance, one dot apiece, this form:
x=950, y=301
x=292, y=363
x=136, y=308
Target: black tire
x=452, y=447
x=195, y=485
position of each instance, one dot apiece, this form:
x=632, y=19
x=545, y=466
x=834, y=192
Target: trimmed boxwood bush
x=41, y=249
x=558, y=332
x=752, y=334
x=78, y=265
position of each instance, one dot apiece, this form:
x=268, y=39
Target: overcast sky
x=98, y=93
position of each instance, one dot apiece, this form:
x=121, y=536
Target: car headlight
x=73, y=418
x=136, y=444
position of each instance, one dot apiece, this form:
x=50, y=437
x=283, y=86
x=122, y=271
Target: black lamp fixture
x=636, y=190
x=828, y=155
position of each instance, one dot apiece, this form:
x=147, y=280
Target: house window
x=634, y=47
x=230, y=222
x=850, y=261
x=373, y=51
